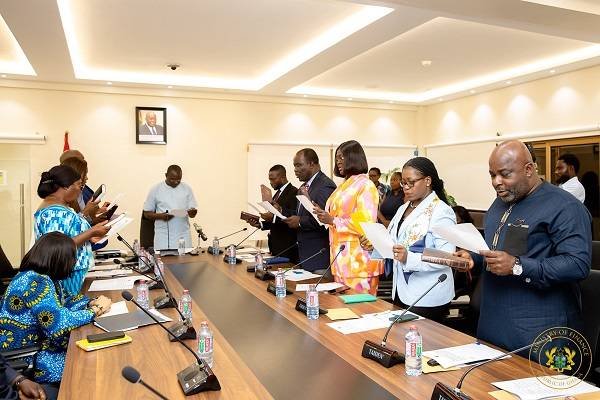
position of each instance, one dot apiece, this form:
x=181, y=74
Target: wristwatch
x=517, y=267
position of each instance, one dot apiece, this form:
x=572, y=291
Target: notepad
x=87, y=346
x=337, y=314
x=357, y=298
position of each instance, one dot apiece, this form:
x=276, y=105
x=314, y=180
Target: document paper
x=114, y=284
x=305, y=201
x=115, y=226
x=269, y=207
x=533, y=389
x=380, y=238
x=460, y=355
x=465, y=236
x=323, y=287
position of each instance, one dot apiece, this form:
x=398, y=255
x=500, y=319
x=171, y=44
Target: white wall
x=207, y=137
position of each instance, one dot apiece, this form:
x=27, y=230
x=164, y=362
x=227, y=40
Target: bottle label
x=280, y=280
x=414, y=349
x=205, y=345
x=312, y=299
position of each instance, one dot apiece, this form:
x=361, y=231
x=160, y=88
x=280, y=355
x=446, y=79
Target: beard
x=562, y=179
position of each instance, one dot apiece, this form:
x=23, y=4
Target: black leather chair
x=596, y=254
x=590, y=298
x=146, y=232
x=7, y=272
x=21, y=360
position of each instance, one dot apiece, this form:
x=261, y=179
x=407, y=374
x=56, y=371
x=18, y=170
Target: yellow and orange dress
x=357, y=196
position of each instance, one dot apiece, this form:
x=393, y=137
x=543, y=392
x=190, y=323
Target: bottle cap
x=413, y=328
x=185, y=291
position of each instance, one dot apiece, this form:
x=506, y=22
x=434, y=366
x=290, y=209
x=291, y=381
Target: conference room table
x=264, y=348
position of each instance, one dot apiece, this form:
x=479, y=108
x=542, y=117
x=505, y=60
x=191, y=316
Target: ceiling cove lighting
x=504, y=76
x=20, y=64
x=339, y=31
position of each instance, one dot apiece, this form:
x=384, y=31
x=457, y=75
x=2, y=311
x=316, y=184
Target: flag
x=66, y=145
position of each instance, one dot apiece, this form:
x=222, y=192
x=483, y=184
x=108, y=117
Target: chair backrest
x=478, y=216
x=6, y=269
x=590, y=298
x=146, y=232
x=596, y=254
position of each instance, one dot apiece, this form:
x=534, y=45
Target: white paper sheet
x=115, y=226
x=104, y=267
x=465, y=236
x=115, y=201
x=386, y=315
x=460, y=355
x=380, y=238
x=113, y=284
x=533, y=389
x=358, y=325
x=120, y=307
x=269, y=207
x=178, y=213
x=323, y=287
x=254, y=208
x=305, y=201
x=159, y=315
x=108, y=273
x=296, y=275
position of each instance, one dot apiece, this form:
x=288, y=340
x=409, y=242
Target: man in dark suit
x=540, y=240
x=150, y=127
x=317, y=186
x=281, y=236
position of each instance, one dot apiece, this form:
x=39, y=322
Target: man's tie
x=153, y=130
x=276, y=196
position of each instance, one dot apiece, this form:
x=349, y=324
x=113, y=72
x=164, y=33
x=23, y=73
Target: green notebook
x=357, y=298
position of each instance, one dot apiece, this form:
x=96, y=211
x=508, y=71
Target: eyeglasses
x=410, y=184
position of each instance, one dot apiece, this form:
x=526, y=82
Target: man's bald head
x=512, y=171
x=71, y=154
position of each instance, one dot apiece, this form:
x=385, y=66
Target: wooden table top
x=264, y=348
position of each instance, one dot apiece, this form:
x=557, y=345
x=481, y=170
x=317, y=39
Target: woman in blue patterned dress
x=58, y=187
x=36, y=311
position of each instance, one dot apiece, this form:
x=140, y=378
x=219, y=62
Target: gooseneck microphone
x=122, y=240
x=244, y=239
x=133, y=376
x=199, y=232
x=252, y=267
x=137, y=271
x=231, y=234
x=265, y=275
x=196, y=378
x=379, y=352
x=301, y=302
x=443, y=392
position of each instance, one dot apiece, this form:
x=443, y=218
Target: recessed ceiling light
x=169, y=87
x=4, y=76
x=109, y=83
x=472, y=91
x=391, y=102
x=426, y=63
x=552, y=71
x=349, y=98
x=440, y=99
x=508, y=82
x=305, y=95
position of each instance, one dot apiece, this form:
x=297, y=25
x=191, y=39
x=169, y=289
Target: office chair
x=21, y=360
x=596, y=255
x=146, y=232
x=590, y=298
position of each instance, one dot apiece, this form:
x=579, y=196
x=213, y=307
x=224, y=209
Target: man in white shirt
x=567, y=167
x=170, y=204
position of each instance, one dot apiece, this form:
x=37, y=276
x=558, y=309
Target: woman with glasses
x=357, y=196
x=59, y=187
x=425, y=207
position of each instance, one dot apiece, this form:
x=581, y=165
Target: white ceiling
x=369, y=50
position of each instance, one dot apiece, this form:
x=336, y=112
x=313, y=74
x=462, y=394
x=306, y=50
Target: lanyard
x=500, y=226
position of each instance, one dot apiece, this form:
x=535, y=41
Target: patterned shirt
x=35, y=312
x=58, y=218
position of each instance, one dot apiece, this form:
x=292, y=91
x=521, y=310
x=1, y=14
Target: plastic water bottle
x=312, y=302
x=280, y=284
x=157, y=267
x=231, y=257
x=143, y=294
x=205, y=344
x=214, y=250
x=414, y=348
x=259, y=261
x=136, y=247
x=181, y=247
x=185, y=305
x=141, y=258
x=161, y=266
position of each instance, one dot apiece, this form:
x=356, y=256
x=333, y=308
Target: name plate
x=164, y=302
x=263, y=275
x=301, y=306
x=382, y=355
x=271, y=289
x=443, y=392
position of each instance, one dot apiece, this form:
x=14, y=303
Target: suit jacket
x=145, y=130
x=281, y=236
x=313, y=237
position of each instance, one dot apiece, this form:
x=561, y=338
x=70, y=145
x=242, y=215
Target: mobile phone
x=339, y=290
x=405, y=318
x=110, y=212
x=101, y=337
x=99, y=193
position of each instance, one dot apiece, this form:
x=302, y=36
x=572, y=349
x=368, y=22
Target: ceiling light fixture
x=552, y=71
x=109, y=83
x=169, y=87
x=426, y=63
x=4, y=76
x=19, y=64
x=349, y=98
x=472, y=91
x=508, y=82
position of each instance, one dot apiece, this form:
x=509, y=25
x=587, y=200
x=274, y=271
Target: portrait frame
x=151, y=125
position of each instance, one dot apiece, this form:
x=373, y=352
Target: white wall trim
x=589, y=130
x=335, y=145
x=35, y=138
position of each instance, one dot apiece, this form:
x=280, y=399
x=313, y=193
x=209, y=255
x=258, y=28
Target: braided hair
x=426, y=167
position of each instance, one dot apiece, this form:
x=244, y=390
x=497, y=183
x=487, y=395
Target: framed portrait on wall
x=151, y=125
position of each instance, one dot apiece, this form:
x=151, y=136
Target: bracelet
x=18, y=381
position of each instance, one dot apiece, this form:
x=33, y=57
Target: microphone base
x=210, y=251
x=196, y=252
x=263, y=275
x=226, y=260
x=382, y=355
x=301, y=306
x=271, y=289
x=197, y=378
x=182, y=331
x=443, y=392
x=164, y=302
x=156, y=285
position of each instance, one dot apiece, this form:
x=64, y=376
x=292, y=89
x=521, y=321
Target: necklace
x=411, y=205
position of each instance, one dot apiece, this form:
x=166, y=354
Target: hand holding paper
x=380, y=238
x=306, y=203
x=269, y=207
x=464, y=236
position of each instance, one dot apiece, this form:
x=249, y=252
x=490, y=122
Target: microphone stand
x=196, y=378
x=252, y=268
x=226, y=236
x=156, y=284
x=202, y=236
x=265, y=275
x=133, y=376
x=379, y=352
x=444, y=392
x=237, y=260
x=301, y=302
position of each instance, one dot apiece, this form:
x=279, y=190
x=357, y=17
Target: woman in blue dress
x=58, y=187
x=37, y=311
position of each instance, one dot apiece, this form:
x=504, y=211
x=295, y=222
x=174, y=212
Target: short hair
x=69, y=154
x=463, y=213
x=175, y=168
x=377, y=170
x=570, y=159
x=309, y=155
x=279, y=168
x=59, y=176
x=355, y=160
x=396, y=173
x=80, y=166
x=54, y=254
